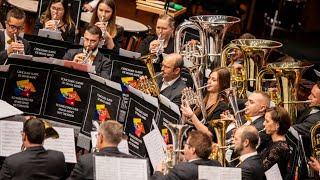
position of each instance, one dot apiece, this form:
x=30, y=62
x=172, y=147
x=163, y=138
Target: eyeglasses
x=14, y=27
x=56, y=9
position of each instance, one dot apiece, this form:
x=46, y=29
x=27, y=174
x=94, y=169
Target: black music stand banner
x=26, y=85
x=139, y=122
x=3, y=79
x=104, y=104
x=67, y=98
x=168, y=112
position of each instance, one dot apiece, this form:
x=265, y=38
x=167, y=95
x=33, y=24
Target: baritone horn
x=287, y=80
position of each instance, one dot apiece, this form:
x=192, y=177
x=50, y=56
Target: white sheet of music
x=219, y=173
x=65, y=143
x=273, y=173
x=155, y=146
x=123, y=146
x=7, y=110
x=10, y=137
x=115, y=168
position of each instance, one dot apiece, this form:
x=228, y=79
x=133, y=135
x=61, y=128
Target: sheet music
x=7, y=110
x=155, y=146
x=219, y=173
x=115, y=168
x=94, y=135
x=123, y=146
x=273, y=173
x=10, y=137
x=65, y=143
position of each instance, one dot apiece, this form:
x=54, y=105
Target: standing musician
x=277, y=122
x=89, y=54
x=245, y=140
x=196, y=152
x=219, y=80
x=104, y=16
x=57, y=17
x=35, y=162
x=163, y=37
x=10, y=41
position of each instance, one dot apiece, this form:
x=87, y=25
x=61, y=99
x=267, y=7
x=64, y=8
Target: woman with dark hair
x=104, y=16
x=277, y=122
x=164, y=33
x=219, y=80
x=57, y=17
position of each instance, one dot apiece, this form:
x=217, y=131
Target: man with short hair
x=109, y=136
x=171, y=84
x=90, y=54
x=196, y=152
x=14, y=26
x=245, y=140
x=34, y=162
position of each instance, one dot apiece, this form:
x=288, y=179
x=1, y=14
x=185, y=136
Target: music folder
x=50, y=34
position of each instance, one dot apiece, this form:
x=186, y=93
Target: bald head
x=171, y=66
x=249, y=133
x=257, y=103
x=176, y=59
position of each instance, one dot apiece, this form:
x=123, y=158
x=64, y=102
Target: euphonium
x=151, y=86
x=255, y=53
x=50, y=132
x=173, y=155
x=212, y=29
x=287, y=80
x=315, y=141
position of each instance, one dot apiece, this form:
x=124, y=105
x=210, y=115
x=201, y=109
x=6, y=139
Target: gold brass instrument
x=151, y=85
x=255, y=54
x=212, y=29
x=174, y=155
x=220, y=128
x=288, y=77
x=50, y=132
x=86, y=56
x=315, y=141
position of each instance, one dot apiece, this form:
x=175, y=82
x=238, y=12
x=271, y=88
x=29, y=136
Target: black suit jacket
x=264, y=138
x=252, y=168
x=305, y=122
x=101, y=63
x=34, y=163
x=3, y=52
x=184, y=170
x=84, y=168
x=173, y=92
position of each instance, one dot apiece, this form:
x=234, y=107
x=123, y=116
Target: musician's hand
x=314, y=164
x=51, y=24
x=186, y=110
x=193, y=42
x=153, y=47
x=79, y=58
x=15, y=47
x=87, y=7
x=227, y=115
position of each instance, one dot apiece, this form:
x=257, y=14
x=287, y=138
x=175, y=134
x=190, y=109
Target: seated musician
x=10, y=41
x=245, y=140
x=170, y=82
x=196, y=152
x=90, y=6
x=219, y=80
x=109, y=136
x=57, y=17
x=104, y=16
x=164, y=33
x=89, y=54
x=34, y=162
x=277, y=122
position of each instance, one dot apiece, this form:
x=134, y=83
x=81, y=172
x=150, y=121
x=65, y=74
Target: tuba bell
x=315, y=141
x=287, y=79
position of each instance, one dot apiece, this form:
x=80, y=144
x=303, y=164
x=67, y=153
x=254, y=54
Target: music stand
x=50, y=34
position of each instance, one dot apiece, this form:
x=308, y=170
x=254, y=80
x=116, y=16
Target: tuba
x=173, y=156
x=151, y=85
x=315, y=141
x=212, y=29
x=287, y=77
x=255, y=54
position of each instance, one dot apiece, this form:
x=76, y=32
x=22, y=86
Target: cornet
x=15, y=39
x=159, y=49
x=56, y=22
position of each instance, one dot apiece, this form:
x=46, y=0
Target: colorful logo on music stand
x=68, y=96
x=24, y=88
x=101, y=113
x=138, y=128
x=128, y=81
x=165, y=135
